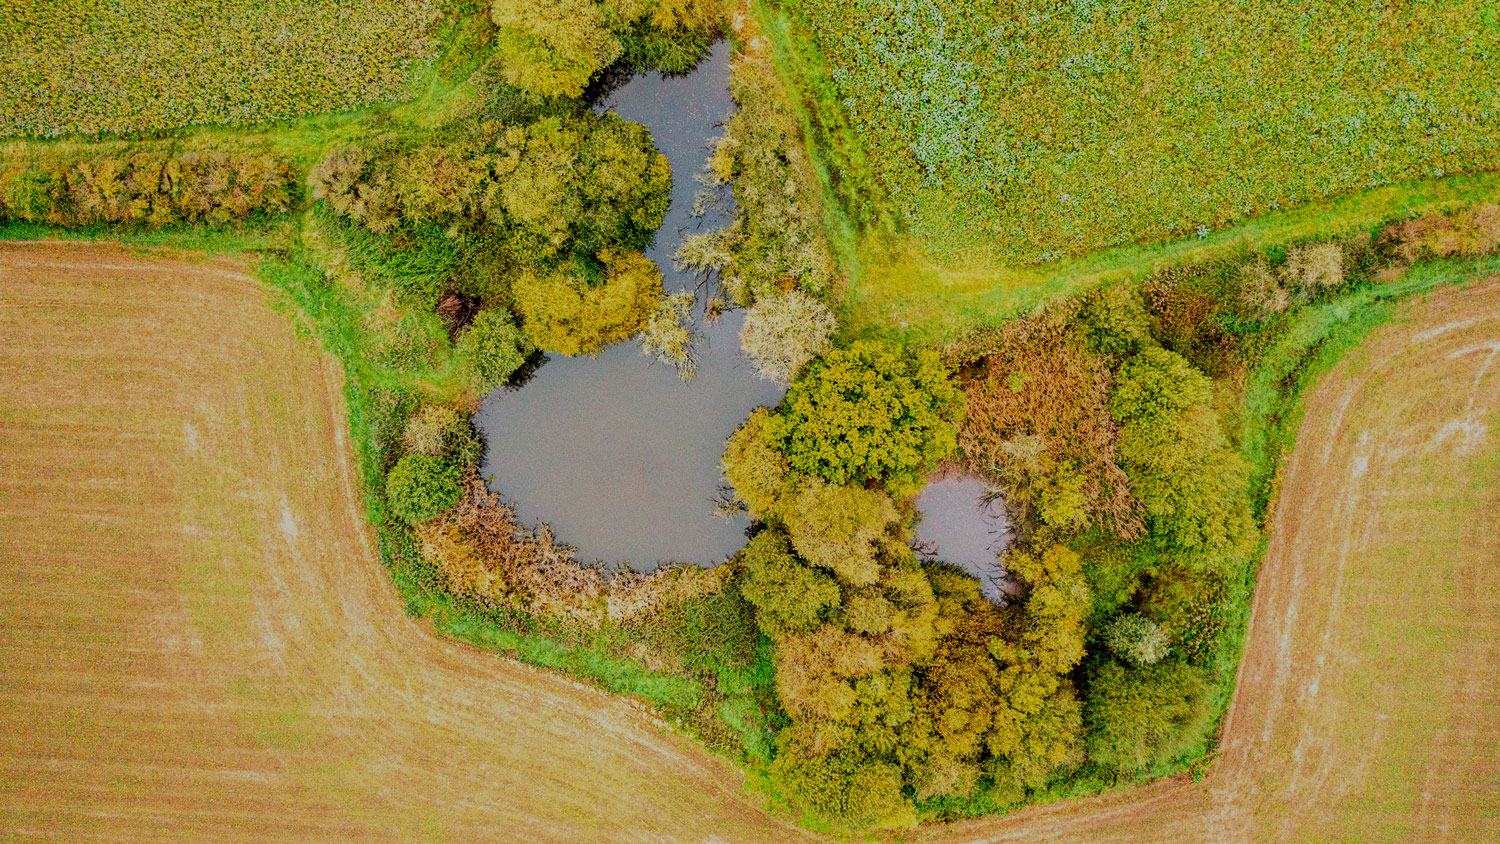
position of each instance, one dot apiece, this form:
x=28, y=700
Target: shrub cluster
x=151, y=187
x=554, y=47
x=903, y=684
x=533, y=194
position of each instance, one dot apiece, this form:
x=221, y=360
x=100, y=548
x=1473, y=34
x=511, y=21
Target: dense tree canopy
x=1190, y=483
x=563, y=312
x=869, y=413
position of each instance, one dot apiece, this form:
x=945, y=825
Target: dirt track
x=196, y=642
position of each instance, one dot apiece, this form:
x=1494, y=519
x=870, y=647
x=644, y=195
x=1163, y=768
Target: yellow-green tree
x=562, y=312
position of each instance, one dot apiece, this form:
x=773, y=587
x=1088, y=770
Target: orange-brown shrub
x=487, y=556
x=1035, y=378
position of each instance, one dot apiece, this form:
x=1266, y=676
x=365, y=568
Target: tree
x=1146, y=716
x=563, y=313
x=783, y=331
x=1157, y=384
x=1115, y=319
x=1137, y=640
x=492, y=349
x=836, y=527
x=757, y=470
x=624, y=187
x=553, y=47
x=1192, y=486
x=421, y=488
x=788, y=595
x=869, y=413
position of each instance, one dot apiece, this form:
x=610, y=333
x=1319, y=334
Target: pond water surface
x=620, y=456
x=615, y=452
x=964, y=524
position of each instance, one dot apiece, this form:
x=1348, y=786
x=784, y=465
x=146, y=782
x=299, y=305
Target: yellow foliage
x=563, y=313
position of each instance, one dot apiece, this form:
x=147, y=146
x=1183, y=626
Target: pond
x=615, y=452
x=965, y=524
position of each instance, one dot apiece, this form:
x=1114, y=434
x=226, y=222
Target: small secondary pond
x=615, y=452
x=965, y=525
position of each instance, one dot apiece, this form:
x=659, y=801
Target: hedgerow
x=144, y=185
x=78, y=66
x=1038, y=130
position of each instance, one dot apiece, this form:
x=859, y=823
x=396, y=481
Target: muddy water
x=962, y=525
x=616, y=453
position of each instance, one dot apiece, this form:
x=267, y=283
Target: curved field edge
x=199, y=641
x=1369, y=665
x=897, y=290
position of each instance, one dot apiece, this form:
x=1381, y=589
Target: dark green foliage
x=1148, y=716
x=1194, y=609
x=421, y=488
x=1191, y=485
x=1114, y=319
x=869, y=413
x=788, y=594
x=491, y=350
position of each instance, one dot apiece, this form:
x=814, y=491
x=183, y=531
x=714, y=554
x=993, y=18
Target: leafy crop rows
x=80, y=66
x=1043, y=130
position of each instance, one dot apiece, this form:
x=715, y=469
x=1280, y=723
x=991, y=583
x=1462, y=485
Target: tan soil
x=197, y=642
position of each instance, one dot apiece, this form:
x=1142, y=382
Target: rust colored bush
x=487, y=556
x=1037, y=380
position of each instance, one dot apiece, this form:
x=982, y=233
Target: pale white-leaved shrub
x=785, y=330
x=1137, y=640
x=668, y=335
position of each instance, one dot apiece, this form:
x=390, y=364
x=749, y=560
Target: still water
x=620, y=456
x=615, y=452
x=964, y=524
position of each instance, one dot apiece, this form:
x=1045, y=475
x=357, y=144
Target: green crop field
x=1036, y=130
x=79, y=66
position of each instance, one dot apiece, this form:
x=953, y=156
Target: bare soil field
x=1369, y=692
x=197, y=642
